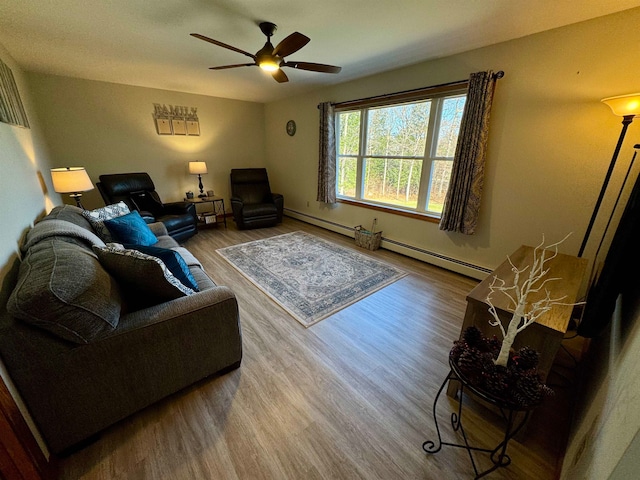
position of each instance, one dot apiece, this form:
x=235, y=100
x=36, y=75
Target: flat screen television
x=618, y=274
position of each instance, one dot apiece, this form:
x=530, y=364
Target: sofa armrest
x=147, y=216
x=236, y=208
x=178, y=208
x=158, y=228
x=206, y=303
x=278, y=199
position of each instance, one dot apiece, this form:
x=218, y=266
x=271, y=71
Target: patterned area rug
x=309, y=277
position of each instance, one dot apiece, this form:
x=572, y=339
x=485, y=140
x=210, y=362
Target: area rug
x=309, y=277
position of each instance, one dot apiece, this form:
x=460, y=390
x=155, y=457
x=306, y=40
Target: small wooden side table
x=217, y=204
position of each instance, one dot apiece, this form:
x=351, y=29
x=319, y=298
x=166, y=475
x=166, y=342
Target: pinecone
x=494, y=345
x=527, y=358
x=459, y=346
x=495, y=380
x=487, y=359
x=528, y=389
x=470, y=362
x=473, y=336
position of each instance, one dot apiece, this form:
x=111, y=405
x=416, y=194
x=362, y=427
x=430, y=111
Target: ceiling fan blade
x=312, y=67
x=280, y=76
x=223, y=45
x=291, y=44
x=223, y=67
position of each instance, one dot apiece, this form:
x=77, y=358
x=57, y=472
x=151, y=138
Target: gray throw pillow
x=145, y=278
x=98, y=216
x=63, y=288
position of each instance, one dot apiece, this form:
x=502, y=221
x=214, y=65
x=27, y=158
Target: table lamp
x=198, y=168
x=71, y=180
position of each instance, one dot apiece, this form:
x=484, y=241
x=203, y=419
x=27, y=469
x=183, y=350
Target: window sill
x=395, y=211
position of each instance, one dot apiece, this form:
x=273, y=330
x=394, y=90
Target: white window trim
x=429, y=157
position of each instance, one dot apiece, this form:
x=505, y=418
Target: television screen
x=620, y=267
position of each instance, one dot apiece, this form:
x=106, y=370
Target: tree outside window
x=399, y=155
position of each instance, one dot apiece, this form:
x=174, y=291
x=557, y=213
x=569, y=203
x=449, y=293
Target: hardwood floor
x=348, y=398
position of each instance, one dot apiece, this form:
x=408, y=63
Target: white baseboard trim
x=433, y=258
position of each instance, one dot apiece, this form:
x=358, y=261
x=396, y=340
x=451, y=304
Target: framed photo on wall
x=193, y=127
x=163, y=126
x=179, y=126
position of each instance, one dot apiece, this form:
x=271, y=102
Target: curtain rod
x=498, y=75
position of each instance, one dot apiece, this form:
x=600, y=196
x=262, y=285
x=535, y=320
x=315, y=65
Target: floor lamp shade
x=72, y=180
x=624, y=105
x=627, y=107
x=198, y=168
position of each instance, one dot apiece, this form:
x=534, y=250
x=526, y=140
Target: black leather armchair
x=252, y=202
x=139, y=193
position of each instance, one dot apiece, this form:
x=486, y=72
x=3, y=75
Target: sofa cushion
x=131, y=228
x=144, y=278
x=173, y=261
x=62, y=288
x=99, y=215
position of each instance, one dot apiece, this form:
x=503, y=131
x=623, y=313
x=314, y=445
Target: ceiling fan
x=272, y=59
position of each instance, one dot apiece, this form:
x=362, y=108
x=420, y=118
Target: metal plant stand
x=510, y=414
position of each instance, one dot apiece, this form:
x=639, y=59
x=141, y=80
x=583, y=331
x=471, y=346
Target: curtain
x=462, y=202
x=327, y=162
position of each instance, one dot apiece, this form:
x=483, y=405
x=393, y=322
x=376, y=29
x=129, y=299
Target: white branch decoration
x=524, y=314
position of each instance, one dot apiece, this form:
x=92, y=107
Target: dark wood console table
x=547, y=333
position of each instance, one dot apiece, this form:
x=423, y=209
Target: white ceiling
x=147, y=42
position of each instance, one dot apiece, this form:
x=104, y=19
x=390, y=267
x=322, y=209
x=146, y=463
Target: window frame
x=437, y=95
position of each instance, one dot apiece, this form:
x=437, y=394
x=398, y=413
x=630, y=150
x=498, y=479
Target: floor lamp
x=627, y=107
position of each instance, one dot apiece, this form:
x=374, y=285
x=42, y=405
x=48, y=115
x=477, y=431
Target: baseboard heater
x=412, y=251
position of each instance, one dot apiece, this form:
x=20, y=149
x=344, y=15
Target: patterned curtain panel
x=327, y=163
x=462, y=203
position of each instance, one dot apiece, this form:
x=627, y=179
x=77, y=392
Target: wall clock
x=291, y=128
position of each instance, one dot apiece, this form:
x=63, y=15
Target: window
x=399, y=155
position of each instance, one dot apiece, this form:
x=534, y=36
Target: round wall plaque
x=291, y=128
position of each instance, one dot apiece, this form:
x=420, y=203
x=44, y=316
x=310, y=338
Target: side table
x=547, y=333
x=217, y=204
x=510, y=413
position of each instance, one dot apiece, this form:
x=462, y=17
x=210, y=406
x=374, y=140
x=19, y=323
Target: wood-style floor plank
x=348, y=398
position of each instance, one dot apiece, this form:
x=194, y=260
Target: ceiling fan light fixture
x=268, y=64
x=270, y=59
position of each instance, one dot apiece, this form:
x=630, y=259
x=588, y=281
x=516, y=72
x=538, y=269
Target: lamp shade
x=624, y=105
x=71, y=180
x=196, y=168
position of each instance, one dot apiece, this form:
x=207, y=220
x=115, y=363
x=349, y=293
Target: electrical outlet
x=307, y=203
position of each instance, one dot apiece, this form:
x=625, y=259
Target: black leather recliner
x=139, y=193
x=252, y=202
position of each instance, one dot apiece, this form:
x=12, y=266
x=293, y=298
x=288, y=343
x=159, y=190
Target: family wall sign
x=176, y=119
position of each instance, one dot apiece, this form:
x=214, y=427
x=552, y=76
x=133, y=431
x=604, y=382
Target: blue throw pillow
x=131, y=228
x=172, y=260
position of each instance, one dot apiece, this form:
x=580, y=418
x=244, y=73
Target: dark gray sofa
x=75, y=384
